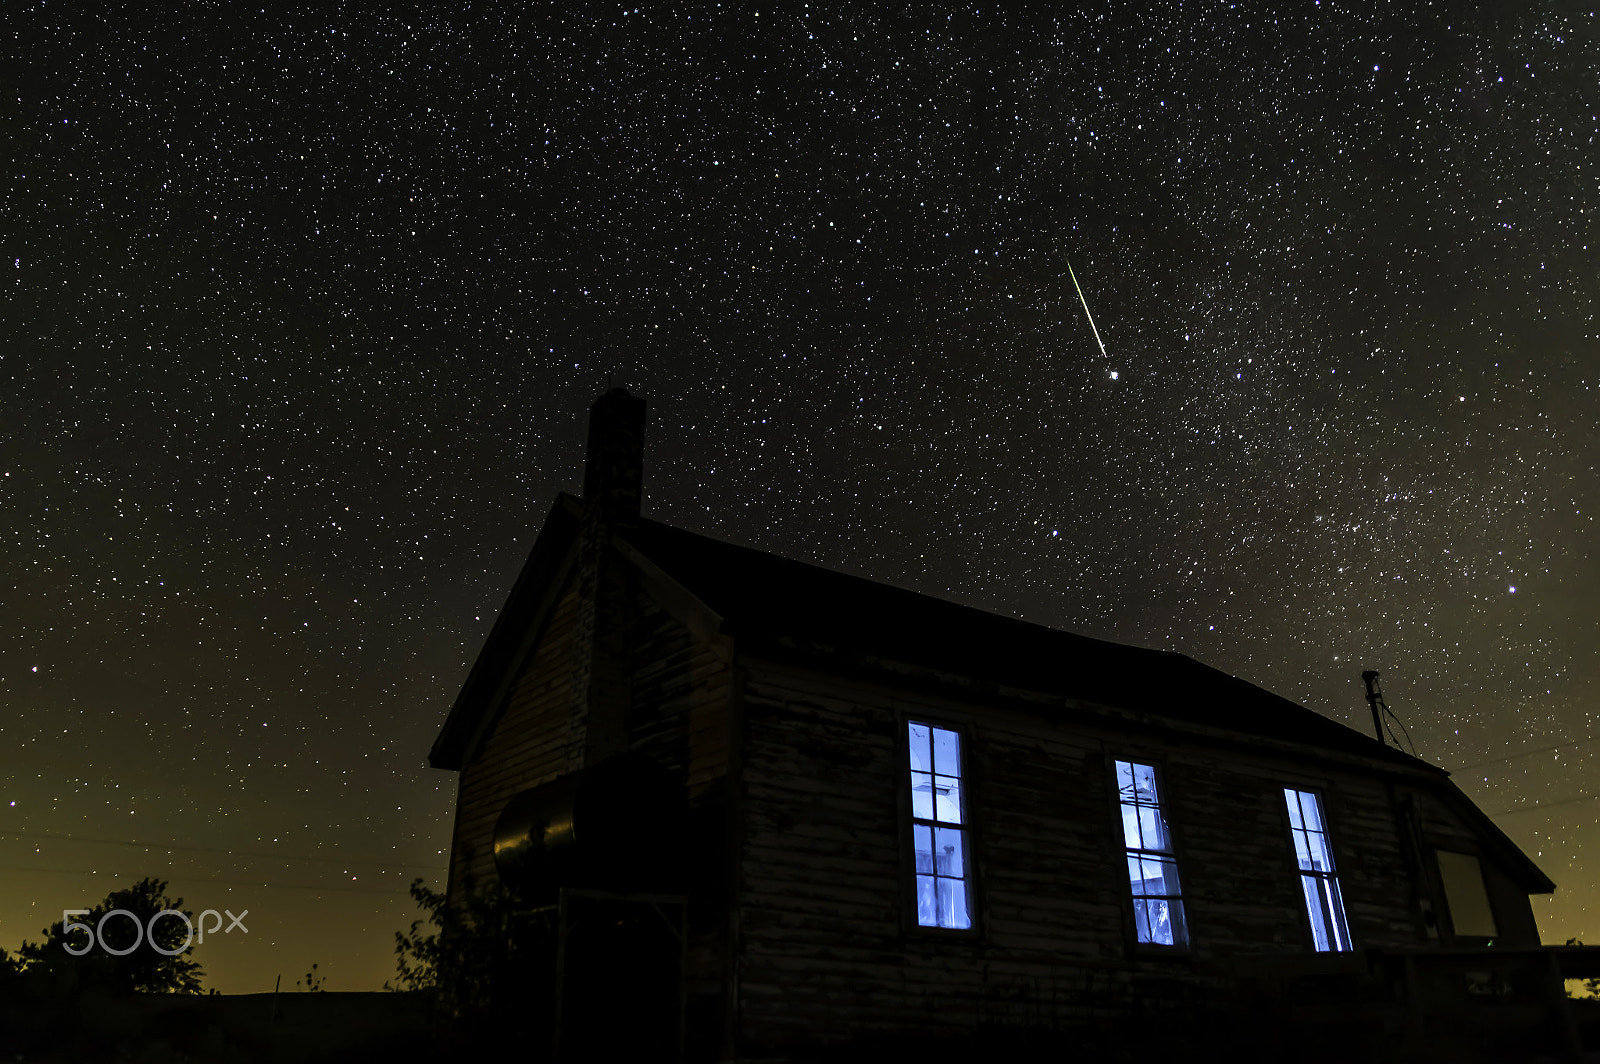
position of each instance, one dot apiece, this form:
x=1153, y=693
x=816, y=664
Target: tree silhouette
x=141, y=970
x=1590, y=987
x=312, y=982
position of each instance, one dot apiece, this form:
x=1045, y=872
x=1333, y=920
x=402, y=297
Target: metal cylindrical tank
x=617, y=825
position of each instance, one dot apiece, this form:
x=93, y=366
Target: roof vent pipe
x=1374, y=700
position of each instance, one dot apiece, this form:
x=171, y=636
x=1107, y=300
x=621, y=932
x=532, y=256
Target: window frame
x=1307, y=931
x=1463, y=849
x=908, y=822
x=1130, y=918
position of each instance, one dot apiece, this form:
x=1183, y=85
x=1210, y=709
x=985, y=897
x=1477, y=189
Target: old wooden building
x=777, y=808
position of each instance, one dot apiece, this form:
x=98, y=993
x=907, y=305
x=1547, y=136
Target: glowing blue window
x=1152, y=867
x=1319, y=881
x=938, y=831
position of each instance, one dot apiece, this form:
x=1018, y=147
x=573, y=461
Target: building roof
x=777, y=607
x=772, y=602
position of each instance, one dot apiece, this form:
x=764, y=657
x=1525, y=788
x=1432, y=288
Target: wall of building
x=1444, y=828
x=829, y=945
x=679, y=716
x=679, y=692
x=531, y=743
x=681, y=719
x=812, y=847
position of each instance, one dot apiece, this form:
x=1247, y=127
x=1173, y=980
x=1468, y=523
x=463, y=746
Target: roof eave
x=1529, y=874
x=522, y=616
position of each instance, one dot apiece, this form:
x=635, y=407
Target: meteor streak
x=1086, y=313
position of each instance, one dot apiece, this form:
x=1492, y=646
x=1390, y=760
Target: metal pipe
x=1374, y=700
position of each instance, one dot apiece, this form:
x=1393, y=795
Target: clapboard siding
x=1443, y=823
x=801, y=924
x=826, y=947
x=680, y=700
x=825, y=951
x=679, y=718
x=530, y=743
x=1445, y=828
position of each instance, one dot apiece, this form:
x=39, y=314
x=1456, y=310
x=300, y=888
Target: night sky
x=303, y=314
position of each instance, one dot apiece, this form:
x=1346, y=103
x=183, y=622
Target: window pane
x=1152, y=828
x=927, y=902
x=1177, y=923
x=1125, y=779
x=1157, y=875
x=946, y=752
x=1336, y=924
x=1321, y=859
x=953, y=904
x=1311, y=809
x=1144, y=783
x=1130, y=827
x=947, y=799
x=1302, y=851
x=922, y=795
x=1160, y=921
x=921, y=761
x=1152, y=875
x=1168, y=870
x=1154, y=920
x=1135, y=875
x=947, y=857
x=922, y=843
x=1292, y=798
x=1141, y=919
x=1465, y=893
x=1317, y=911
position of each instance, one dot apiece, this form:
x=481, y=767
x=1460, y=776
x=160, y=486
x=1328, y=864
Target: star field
x=304, y=311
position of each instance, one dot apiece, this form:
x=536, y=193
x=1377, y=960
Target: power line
x=1528, y=753
x=1546, y=805
x=218, y=849
x=1403, y=729
x=1381, y=719
x=215, y=879
x=1390, y=731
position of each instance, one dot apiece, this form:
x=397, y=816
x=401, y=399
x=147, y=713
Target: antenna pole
x=1374, y=700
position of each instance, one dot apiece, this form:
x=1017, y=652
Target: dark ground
x=216, y=1029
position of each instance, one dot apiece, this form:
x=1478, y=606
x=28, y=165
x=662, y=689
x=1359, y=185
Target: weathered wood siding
x=680, y=700
x=829, y=946
x=678, y=716
x=531, y=743
x=1242, y=880
x=1444, y=828
x=680, y=719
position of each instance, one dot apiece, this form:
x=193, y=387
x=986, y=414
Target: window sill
x=947, y=934
x=1151, y=951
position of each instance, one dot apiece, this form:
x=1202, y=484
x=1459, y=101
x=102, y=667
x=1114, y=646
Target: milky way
x=303, y=314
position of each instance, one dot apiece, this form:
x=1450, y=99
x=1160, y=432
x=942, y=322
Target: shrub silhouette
x=312, y=982
x=142, y=970
x=473, y=960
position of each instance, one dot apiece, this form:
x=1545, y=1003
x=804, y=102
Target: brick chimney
x=613, y=487
x=613, y=475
